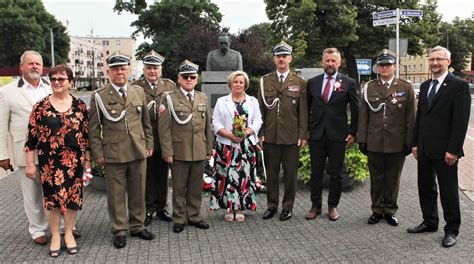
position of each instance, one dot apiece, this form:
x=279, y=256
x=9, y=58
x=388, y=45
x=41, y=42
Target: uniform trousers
x=186, y=177
x=385, y=171
x=156, y=182
x=428, y=171
x=126, y=186
x=277, y=156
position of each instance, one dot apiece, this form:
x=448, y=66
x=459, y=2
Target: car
x=416, y=87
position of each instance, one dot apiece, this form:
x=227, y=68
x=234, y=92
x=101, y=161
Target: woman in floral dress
x=57, y=132
x=235, y=122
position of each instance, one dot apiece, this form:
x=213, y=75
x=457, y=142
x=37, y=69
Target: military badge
x=294, y=88
x=139, y=109
x=162, y=108
x=394, y=100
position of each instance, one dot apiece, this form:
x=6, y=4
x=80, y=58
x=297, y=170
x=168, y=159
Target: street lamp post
x=52, y=44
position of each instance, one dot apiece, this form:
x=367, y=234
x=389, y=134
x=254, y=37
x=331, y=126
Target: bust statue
x=224, y=58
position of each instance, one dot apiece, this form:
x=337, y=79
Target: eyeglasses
x=436, y=59
x=187, y=77
x=60, y=79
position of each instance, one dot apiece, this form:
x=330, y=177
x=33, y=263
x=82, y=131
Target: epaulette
x=198, y=92
x=405, y=81
x=267, y=75
x=99, y=89
x=136, y=86
x=296, y=75
x=168, y=80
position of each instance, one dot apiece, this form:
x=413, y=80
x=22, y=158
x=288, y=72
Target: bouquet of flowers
x=239, y=125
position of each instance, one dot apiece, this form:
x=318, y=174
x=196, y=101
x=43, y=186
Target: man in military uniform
x=157, y=169
x=385, y=134
x=282, y=99
x=186, y=141
x=121, y=138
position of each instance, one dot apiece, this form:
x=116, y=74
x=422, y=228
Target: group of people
x=140, y=131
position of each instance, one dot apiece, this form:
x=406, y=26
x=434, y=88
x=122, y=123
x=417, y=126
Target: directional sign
x=385, y=21
x=364, y=66
x=416, y=13
x=383, y=14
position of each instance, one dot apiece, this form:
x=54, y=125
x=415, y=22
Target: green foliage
x=355, y=164
x=313, y=25
x=25, y=25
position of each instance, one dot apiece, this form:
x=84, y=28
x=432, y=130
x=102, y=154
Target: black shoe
x=201, y=225
x=374, y=218
x=391, y=219
x=164, y=216
x=421, y=228
x=449, y=240
x=120, y=241
x=269, y=213
x=76, y=234
x=148, y=217
x=144, y=234
x=178, y=228
x=285, y=215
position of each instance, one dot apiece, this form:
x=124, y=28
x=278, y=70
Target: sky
x=84, y=16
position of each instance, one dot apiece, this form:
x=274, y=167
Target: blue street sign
x=364, y=66
x=384, y=14
x=416, y=13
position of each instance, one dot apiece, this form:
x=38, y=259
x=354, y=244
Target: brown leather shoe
x=313, y=213
x=41, y=240
x=333, y=214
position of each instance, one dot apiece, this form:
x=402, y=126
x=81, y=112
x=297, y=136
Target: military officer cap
x=153, y=58
x=386, y=57
x=282, y=48
x=117, y=59
x=188, y=67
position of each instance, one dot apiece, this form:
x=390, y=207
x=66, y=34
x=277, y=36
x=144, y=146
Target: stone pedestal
x=214, y=85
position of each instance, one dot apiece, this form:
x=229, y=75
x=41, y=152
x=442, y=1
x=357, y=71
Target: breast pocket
x=270, y=93
x=138, y=106
x=114, y=110
x=182, y=112
x=202, y=109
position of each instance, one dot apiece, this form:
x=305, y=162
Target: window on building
x=421, y=67
x=118, y=42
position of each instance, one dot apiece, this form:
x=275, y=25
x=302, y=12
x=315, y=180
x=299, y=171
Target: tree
x=169, y=24
x=25, y=25
x=312, y=25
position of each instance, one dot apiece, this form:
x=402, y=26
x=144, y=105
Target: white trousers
x=33, y=202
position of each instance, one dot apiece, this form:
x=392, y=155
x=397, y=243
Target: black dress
x=61, y=140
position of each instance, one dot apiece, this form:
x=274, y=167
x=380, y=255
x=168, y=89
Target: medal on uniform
x=399, y=106
x=162, y=108
x=394, y=98
x=139, y=109
x=294, y=101
x=113, y=111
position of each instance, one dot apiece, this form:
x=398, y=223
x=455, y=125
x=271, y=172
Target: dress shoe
x=201, y=224
x=148, y=217
x=391, y=219
x=120, y=241
x=178, y=228
x=285, y=215
x=144, y=234
x=449, y=240
x=76, y=234
x=333, y=214
x=164, y=216
x=269, y=213
x=313, y=213
x=374, y=218
x=421, y=228
x=41, y=240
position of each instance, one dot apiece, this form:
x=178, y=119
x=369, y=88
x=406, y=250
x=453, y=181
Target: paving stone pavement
x=349, y=240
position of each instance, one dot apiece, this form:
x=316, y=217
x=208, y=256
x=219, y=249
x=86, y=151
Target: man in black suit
x=441, y=124
x=329, y=133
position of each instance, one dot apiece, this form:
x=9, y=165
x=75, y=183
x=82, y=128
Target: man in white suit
x=16, y=102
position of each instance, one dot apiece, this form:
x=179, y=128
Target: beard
x=329, y=70
x=34, y=75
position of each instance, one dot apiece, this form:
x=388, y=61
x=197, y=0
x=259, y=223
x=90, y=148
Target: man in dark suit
x=441, y=124
x=329, y=133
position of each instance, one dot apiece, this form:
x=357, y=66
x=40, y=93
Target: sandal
x=229, y=217
x=54, y=253
x=239, y=216
x=72, y=250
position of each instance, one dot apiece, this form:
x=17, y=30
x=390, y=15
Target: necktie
x=432, y=93
x=124, y=95
x=190, y=98
x=327, y=87
x=282, y=78
x=387, y=85
x=152, y=86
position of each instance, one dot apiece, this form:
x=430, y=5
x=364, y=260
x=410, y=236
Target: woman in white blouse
x=233, y=185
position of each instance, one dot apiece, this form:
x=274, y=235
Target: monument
x=219, y=64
